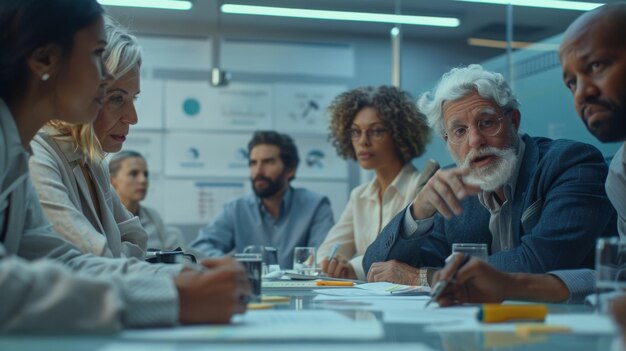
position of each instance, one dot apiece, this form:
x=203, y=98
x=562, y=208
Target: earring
x=45, y=77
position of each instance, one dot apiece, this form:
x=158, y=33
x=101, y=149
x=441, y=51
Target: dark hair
x=26, y=25
x=115, y=163
x=396, y=108
x=288, y=150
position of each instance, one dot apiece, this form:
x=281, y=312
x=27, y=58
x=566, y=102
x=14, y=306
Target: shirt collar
x=399, y=183
x=65, y=142
x=285, y=203
x=487, y=199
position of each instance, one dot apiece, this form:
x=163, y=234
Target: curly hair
x=397, y=110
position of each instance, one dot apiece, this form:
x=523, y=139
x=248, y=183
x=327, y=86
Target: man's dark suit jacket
x=560, y=208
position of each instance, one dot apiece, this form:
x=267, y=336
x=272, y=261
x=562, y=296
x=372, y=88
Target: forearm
x=535, y=287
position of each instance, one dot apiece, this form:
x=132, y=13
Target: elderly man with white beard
x=538, y=204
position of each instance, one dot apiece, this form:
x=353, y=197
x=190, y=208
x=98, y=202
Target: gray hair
x=460, y=82
x=122, y=53
x=115, y=164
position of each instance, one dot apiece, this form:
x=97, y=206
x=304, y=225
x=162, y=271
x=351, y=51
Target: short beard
x=273, y=186
x=494, y=175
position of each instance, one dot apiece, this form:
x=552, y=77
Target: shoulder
x=247, y=200
x=359, y=191
x=302, y=195
x=46, y=155
x=148, y=210
x=560, y=148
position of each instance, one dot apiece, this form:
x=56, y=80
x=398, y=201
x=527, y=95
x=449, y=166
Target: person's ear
x=516, y=118
x=113, y=182
x=44, y=61
x=291, y=173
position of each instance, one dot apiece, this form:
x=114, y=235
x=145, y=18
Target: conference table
x=396, y=336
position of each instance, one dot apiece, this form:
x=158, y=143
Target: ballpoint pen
x=443, y=284
x=333, y=252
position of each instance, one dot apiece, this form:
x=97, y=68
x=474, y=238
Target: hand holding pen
x=447, y=277
x=470, y=280
x=336, y=266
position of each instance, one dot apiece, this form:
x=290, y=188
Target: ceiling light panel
x=340, y=15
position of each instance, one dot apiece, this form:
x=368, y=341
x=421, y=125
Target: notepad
x=380, y=288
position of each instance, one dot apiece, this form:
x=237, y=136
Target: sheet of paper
x=587, y=323
x=431, y=315
x=385, y=288
x=376, y=289
x=271, y=325
x=324, y=297
x=137, y=346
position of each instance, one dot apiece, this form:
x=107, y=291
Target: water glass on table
x=475, y=250
x=610, y=271
x=304, y=261
x=253, y=263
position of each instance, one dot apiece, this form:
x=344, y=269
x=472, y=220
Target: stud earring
x=45, y=77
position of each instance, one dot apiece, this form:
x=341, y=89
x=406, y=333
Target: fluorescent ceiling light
x=156, y=4
x=340, y=15
x=550, y=4
x=501, y=44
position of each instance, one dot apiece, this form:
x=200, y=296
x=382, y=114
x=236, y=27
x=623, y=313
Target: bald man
x=593, y=58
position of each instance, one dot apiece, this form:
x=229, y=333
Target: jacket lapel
x=85, y=195
x=527, y=169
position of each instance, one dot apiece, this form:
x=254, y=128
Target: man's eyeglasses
x=489, y=126
x=372, y=134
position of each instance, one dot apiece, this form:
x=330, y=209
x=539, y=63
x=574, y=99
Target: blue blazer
x=560, y=208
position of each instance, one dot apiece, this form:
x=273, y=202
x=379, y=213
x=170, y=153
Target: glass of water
x=304, y=260
x=610, y=271
x=476, y=250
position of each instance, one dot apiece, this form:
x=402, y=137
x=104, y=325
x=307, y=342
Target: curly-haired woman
x=382, y=130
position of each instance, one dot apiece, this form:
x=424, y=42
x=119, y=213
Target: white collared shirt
x=364, y=216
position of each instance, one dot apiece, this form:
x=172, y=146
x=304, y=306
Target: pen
x=429, y=170
x=333, y=252
x=443, y=284
x=333, y=283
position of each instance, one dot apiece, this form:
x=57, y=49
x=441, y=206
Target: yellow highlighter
x=333, y=283
x=497, y=313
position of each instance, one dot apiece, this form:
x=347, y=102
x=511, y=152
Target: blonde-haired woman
x=68, y=167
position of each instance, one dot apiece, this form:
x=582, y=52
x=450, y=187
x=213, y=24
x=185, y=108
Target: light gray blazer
x=97, y=295
x=64, y=195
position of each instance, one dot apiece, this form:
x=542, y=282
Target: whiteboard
x=319, y=160
x=303, y=108
x=189, y=105
x=149, y=105
x=206, y=154
x=150, y=145
x=198, y=201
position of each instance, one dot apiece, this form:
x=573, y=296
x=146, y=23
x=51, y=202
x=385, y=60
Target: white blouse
x=364, y=217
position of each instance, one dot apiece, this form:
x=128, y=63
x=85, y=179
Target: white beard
x=493, y=176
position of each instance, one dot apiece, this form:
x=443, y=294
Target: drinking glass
x=253, y=263
x=269, y=254
x=304, y=260
x=610, y=271
x=476, y=250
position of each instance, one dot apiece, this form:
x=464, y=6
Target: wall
x=188, y=61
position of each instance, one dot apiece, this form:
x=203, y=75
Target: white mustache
x=486, y=151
